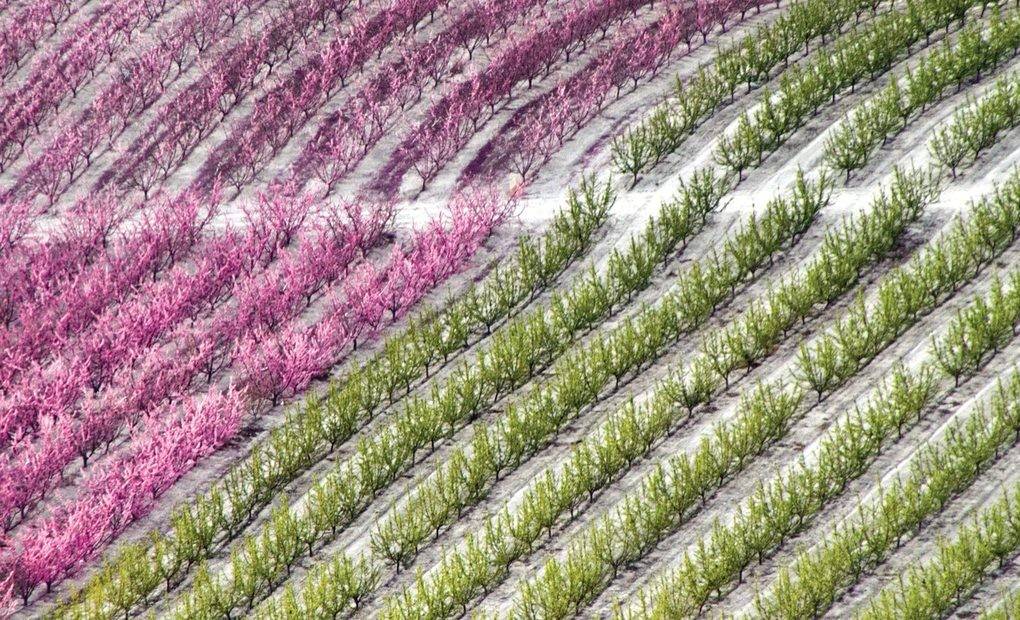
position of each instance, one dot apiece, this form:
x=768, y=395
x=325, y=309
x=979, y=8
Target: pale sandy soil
x=588, y=149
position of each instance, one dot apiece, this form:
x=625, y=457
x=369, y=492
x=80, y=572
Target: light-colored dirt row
x=893, y=458
x=1003, y=475
x=213, y=468
x=670, y=550
x=509, y=489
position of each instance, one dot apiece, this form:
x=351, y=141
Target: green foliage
x=861, y=56
x=890, y=110
x=313, y=430
x=942, y=583
x=808, y=587
x=748, y=62
x=977, y=126
x=785, y=505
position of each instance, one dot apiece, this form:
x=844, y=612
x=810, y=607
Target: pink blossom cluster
x=26, y=29
x=540, y=129
x=345, y=137
x=67, y=67
x=138, y=372
x=454, y=118
x=60, y=286
x=276, y=116
x=124, y=486
x=16, y=223
x=122, y=489
x=135, y=84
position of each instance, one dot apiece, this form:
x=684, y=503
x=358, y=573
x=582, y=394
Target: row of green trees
x=977, y=127
x=786, y=505
x=315, y=428
x=855, y=58
x=750, y=61
x=943, y=583
x=509, y=359
x=871, y=49
x=809, y=586
x=973, y=52
x=598, y=460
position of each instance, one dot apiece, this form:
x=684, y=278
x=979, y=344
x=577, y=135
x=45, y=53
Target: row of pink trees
x=134, y=84
x=258, y=137
x=143, y=373
x=191, y=116
x=283, y=363
x=33, y=267
x=137, y=319
x=62, y=285
x=280, y=363
x=451, y=120
x=66, y=68
x=540, y=129
x=29, y=26
x=124, y=489
x=345, y=137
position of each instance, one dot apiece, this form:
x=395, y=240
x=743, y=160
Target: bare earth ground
x=589, y=150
